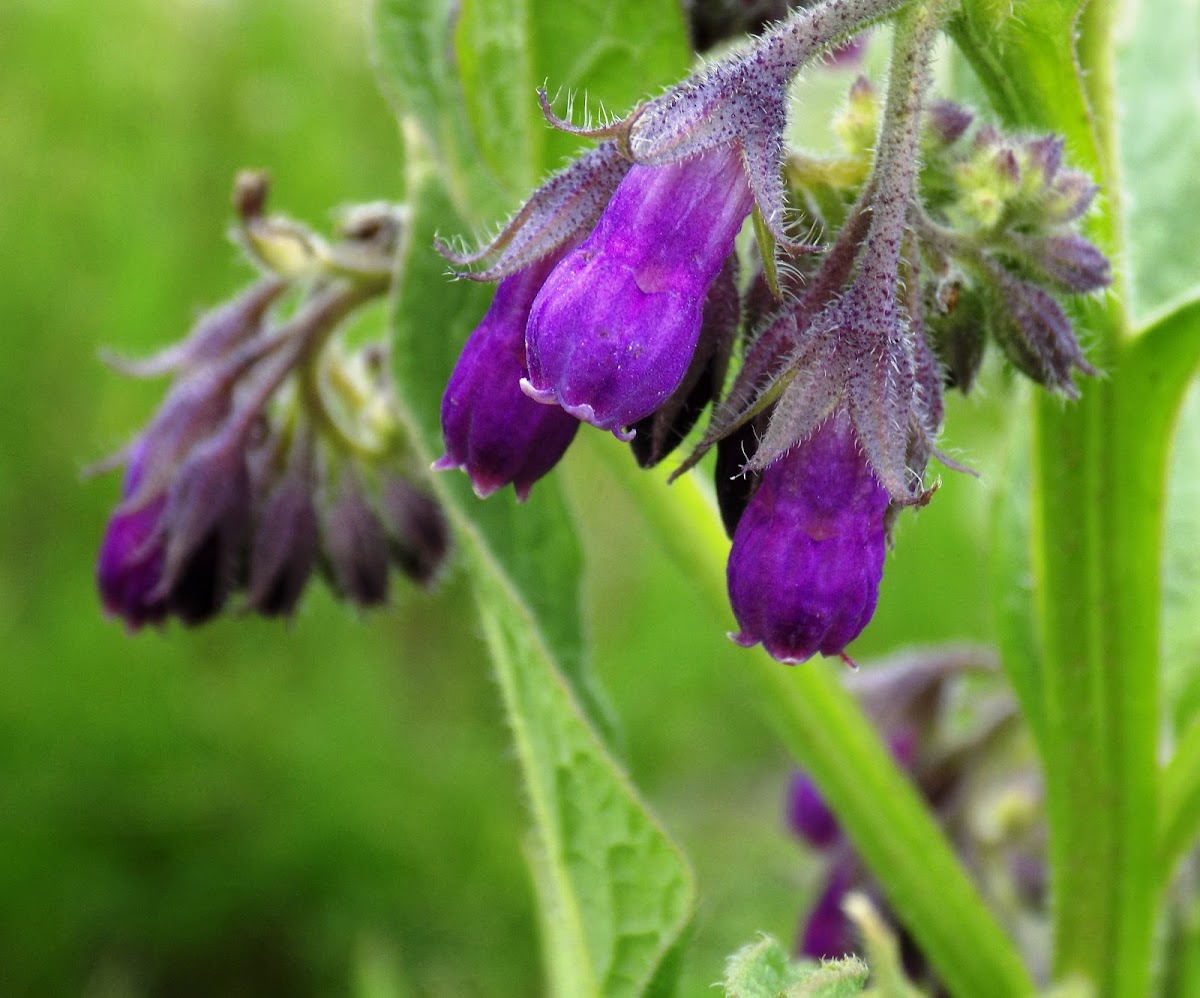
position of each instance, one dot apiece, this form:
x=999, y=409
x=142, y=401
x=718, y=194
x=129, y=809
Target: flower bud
x=828, y=933
x=612, y=331
x=357, y=546
x=1035, y=332
x=808, y=553
x=417, y=530
x=947, y=121
x=493, y=431
x=808, y=815
x=284, y=549
x=959, y=335
x=1068, y=263
x=206, y=522
x=129, y=568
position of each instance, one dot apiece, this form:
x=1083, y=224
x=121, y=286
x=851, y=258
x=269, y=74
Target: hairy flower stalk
x=229, y=487
x=808, y=551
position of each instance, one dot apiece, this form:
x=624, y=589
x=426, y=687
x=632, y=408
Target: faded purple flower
x=418, y=534
x=493, y=431
x=808, y=815
x=356, y=544
x=612, y=331
x=129, y=568
x=230, y=484
x=808, y=552
x=285, y=547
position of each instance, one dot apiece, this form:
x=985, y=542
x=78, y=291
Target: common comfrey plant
x=277, y=451
x=694, y=259
x=619, y=305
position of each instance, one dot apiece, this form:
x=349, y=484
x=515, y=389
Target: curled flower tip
x=807, y=556
x=612, y=129
x=557, y=214
x=615, y=325
x=493, y=431
x=418, y=535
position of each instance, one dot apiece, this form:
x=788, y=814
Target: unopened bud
x=357, y=546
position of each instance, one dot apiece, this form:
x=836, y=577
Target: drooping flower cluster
x=276, y=452
x=619, y=305
x=972, y=766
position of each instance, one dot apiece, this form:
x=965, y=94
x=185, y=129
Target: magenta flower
x=494, y=432
x=613, y=329
x=807, y=555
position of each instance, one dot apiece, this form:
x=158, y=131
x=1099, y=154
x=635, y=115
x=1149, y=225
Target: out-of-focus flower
x=231, y=486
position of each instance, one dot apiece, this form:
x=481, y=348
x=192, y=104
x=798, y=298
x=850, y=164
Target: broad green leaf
x=615, y=895
x=765, y=969
x=1011, y=578
x=1159, y=77
x=1181, y=570
x=412, y=47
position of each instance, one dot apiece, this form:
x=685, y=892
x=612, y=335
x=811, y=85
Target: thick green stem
x=1098, y=498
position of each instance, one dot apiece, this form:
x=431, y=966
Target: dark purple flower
x=808, y=815
x=129, y=568
x=808, y=552
x=612, y=331
x=493, y=431
x=828, y=933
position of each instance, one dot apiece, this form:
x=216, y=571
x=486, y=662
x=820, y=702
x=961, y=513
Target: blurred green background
x=330, y=806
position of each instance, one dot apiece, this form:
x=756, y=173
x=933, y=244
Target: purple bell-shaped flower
x=494, y=432
x=808, y=552
x=612, y=331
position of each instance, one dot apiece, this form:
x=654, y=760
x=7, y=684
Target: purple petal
x=612, y=331
x=493, y=431
x=807, y=556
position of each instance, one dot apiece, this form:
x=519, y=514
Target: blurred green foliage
x=330, y=806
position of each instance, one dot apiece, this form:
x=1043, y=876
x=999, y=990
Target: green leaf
x=1179, y=824
x=615, y=894
x=465, y=74
x=411, y=48
x=765, y=970
x=1160, y=146
x=1011, y=579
